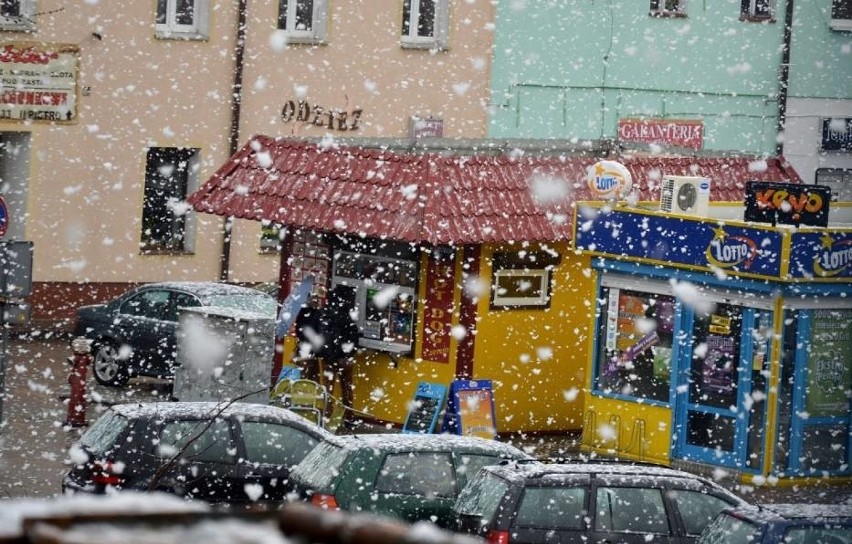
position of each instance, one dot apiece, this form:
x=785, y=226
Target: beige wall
x=86, y=179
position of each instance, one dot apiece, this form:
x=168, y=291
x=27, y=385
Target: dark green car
x=412, y=477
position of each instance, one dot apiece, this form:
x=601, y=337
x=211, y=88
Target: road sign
x=4, y=216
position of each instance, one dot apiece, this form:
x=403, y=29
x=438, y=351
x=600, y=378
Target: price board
x=427, y=404
x=470, y=409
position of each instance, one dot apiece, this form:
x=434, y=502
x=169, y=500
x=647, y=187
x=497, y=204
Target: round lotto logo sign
x=609, y=179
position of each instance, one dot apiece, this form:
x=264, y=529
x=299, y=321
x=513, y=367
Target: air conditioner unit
x=685, y=195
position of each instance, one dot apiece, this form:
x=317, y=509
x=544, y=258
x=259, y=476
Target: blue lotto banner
x=674, y=240
x=821, y=255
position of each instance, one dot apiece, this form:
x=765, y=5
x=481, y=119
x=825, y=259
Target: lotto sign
x=609, y=180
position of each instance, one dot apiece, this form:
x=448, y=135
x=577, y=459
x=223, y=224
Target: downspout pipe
x=784, y=77
x=234, y=136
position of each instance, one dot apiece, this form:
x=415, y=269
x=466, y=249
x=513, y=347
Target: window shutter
x=320, y=22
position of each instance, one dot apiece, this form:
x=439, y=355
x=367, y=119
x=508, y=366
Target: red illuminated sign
x=676, y=132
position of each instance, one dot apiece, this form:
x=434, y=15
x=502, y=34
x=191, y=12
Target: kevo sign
x=609, y=180
x=332, y=119
x=788, y=203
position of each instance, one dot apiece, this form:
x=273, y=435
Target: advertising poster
x=476, y=413
x=830, y=363
x=719, y=365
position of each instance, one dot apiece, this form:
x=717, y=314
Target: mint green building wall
x=573, y=68
x=820, y=58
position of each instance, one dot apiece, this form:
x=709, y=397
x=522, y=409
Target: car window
x=818, y=535
x=178, y=301
x=102, y=435
x=552, y=507
x=427, y=474
x=727, y=529
x=152, y=304
x=275, y=444
x=259, y=303
x=482, y=497
x=470, y=465
x=199, y=442
x=630, y=509
x=321, y=466
x=697, y=509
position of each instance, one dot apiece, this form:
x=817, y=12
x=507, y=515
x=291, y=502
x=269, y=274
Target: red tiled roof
x=439, y=199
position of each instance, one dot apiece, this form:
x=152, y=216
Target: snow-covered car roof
x=206, y=288
x=814, y=512
x=178, y=410
x=540, y=469
x=396, y=442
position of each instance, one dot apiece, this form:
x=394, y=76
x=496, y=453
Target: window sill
x=17, y=27
x=668, y=14
x=423, y=46
x=154, y=252
x=756, y=18
x=269, y=251
x=180, y=36
x=841, y=25
x=304, y=40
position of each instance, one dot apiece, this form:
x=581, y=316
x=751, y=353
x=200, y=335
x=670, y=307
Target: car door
x=198, y=460
x=166, y=347
x=416, y=486
x=140, y=323
x=630, y=510
x=694, y=506
x=269, y=451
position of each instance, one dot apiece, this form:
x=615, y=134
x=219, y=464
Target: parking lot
x=34, y=440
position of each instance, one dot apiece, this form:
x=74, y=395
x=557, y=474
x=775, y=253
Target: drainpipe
x=234, y=137
x=784, y=76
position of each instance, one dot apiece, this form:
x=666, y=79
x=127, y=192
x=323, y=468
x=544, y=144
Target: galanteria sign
x=675, y=132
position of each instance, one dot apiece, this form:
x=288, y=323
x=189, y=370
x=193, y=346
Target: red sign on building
x=438, y=308
x=675, y=132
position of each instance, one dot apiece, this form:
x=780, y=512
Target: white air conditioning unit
x=685, y=195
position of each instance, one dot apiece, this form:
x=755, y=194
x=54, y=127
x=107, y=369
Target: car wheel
x=107, y=367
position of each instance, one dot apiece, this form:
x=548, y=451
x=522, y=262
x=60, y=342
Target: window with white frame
x=425, y=24
x=522, y=279
x=170, y=174
x=17, y=15
x=304, y=21
x=669, y=8
x=757, y=10
x=182, y=19
x=841, y=15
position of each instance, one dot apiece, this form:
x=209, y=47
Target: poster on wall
x=718, y=370
x=830, y=363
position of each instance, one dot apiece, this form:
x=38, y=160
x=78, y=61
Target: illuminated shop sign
x=836, y=134
x=674, y=132
x=821, y=255
x=787, y=203
x=609, y=180
x=726, y=251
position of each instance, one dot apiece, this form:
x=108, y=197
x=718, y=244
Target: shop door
x=715, y=406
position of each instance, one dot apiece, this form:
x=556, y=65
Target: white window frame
x=841, y=25
x=752, y=15
x=24, y=22
x=199, y=30
x=317, y=34
x=441, y=27
x=542, y=276
x=658, y=9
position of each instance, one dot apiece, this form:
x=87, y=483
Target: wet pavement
x=34, y=440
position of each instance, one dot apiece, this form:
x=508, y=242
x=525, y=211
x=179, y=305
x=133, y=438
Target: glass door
x=721, y=395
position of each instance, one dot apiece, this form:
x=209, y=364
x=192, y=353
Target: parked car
x=215, y=452
x=589, y=502
x=136, y=333
x=412, y=477
x=782, y=524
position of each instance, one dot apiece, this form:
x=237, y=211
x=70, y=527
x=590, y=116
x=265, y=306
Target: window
x=635, y=344
x=669, y=8
x=482, y=497
x=522, y=278
x=274, y=444
x=198, y=442
x=170, y=173
x=841, y=15
x=182, y=19
x=426, y=474
x=630, y=510
x=152, y=304
x=304, y=21
x=425, y=24
x=697, y=509
x=470, y=465
x=552, y=507
x=757, y=10
x=17, y=15
x=270, y=237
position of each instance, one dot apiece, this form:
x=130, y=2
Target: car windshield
x=727, y=529
x=319, y=468
x=249, y=303
x=102, y=435
x=482, y=497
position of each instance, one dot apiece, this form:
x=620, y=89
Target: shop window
x=841, y=15
x=182, y=19
x=270, y=237
x=425, y=24
x=522, y=279
x=304, y=21
x=757, y=10
x=635, y=344
x=170, y=173
x=839, y=180
x=17, y=15
x=668, y=8
x=384, y=290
